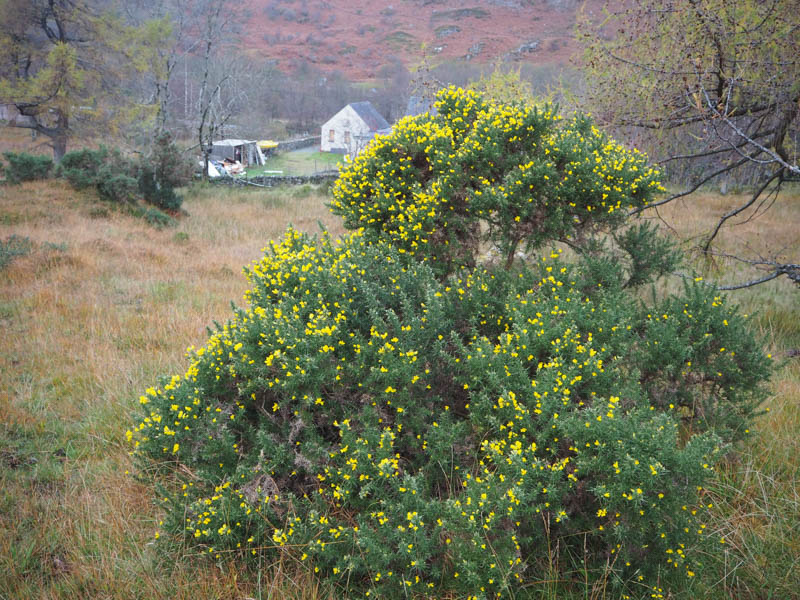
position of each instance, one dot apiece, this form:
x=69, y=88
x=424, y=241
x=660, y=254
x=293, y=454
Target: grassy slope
x=104, y=304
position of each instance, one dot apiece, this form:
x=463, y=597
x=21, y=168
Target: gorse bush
x=26, y=167
x=117, y=188
x=409, y=418
x=514, y=176
x=158, y=218
x=110, y=173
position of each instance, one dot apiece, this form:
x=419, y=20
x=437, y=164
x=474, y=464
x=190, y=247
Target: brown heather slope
x=358, y=37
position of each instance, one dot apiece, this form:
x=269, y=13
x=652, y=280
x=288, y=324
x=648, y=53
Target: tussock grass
x=104, y=304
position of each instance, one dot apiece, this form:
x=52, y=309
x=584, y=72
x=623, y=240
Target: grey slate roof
x=418, y=105
x=371, y=117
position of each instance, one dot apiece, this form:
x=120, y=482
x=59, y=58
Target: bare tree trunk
x=204, y=133
x=59, y=147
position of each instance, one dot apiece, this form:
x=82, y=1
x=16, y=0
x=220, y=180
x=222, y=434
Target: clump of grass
x=12, y=247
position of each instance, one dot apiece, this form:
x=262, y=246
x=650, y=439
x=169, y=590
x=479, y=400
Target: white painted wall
x=343, y=122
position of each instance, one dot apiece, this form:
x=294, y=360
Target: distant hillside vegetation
x=358, y=37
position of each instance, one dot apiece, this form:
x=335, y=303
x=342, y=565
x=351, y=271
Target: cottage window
x=332, y=135
x=346, y=137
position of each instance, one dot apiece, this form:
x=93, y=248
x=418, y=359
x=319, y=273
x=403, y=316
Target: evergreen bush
x=26, y=167
x=410, y=417
x=116, y=187
x=108, y=172
x=163, y=170
x=121, y=180
x=158, y=218
x=82, y=168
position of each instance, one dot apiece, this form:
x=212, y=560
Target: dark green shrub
x=410, y=419
x=107, y=171
x=155, y=192
x=163, y=170
x=158, y=218
x=116, y=187
x=82, y=168
x=26, y=167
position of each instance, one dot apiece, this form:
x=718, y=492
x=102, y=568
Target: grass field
x=299, y=162
x=103, y=304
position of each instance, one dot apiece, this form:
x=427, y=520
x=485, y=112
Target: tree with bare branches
x=219, y=90
x=712, y=89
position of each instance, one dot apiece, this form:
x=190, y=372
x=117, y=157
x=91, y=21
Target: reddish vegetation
x=358, y=37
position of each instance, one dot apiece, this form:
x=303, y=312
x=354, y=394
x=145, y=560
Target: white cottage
x=349, y=130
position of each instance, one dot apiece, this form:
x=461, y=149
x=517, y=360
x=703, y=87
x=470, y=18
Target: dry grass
x=94, y=314
x=20, y=140
x=752, y=235
x=105, y=303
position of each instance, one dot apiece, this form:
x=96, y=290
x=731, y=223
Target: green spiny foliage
x=108, y=171
x=26, y=167
x=408, y=420
x=158, y=218
x=118, y=188
x=81, y=168
x=515, y=176
x=120, y=180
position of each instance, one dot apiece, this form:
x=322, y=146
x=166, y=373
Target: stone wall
x=274, y=181
x=290, y=145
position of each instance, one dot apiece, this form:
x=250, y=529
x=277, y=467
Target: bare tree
x=218, y=94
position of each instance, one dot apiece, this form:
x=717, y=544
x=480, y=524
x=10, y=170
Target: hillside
x=358, y=37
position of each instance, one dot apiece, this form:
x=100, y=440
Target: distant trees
x=76, y=68
x=392, y=100
x=712, y=86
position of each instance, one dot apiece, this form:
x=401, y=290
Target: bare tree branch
x=740, y=209
x=692, y=189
